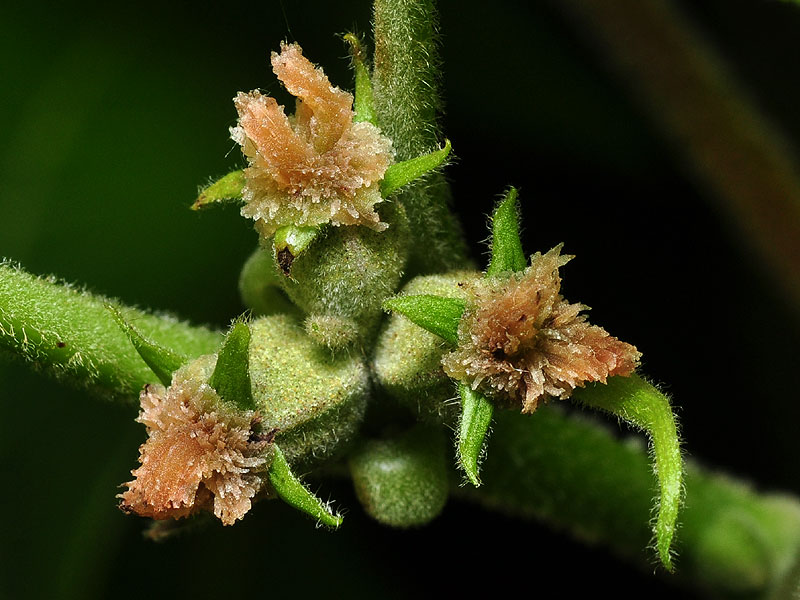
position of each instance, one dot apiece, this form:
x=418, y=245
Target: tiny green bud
x=292, y=491
x=334, y=332
x=162, y=361
x=227, y=189
x=402, y=481
x=476, y=415
x=231, y=376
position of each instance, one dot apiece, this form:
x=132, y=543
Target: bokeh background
x=113, y=114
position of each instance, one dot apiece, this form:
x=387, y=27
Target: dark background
x=113, y=114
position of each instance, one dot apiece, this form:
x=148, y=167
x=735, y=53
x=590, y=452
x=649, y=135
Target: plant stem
x=575, y=474
x=406, y=79
x=69, y=333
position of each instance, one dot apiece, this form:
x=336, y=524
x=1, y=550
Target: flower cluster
x=201, y=453
x=521, y=338
x=316, y=166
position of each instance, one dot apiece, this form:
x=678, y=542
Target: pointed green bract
x=507, y=253
x=643, y=406
x=403, y=173
x=363, y=104
x=476, y=415
x=231, y=376
x=226, y=189
x=294, y=238
x=437, y=314
x=162, y=361
x=292, y=491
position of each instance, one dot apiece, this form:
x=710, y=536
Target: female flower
x=201, y=453
x=522, y=340
x=316, y=166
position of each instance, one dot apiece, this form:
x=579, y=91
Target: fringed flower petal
x=312, y=168
x=201, y=454
x=520, y=338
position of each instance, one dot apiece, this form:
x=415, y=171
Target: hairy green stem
x=68, y=332
x=406, y=78
x=574, y=473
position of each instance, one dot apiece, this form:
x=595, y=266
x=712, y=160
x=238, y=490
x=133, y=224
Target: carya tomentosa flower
x=316, y=166
x=523, y=341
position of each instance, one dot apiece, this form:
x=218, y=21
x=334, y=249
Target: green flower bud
x=316, y=402
x=347, y=273
x=402, y=481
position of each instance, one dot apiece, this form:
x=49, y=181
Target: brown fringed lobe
x=201, y=454
x=521, y=338
x=316, y=166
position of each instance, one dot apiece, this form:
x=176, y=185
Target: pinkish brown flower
x=523, y=341
x=316, y=166
x=201, y=453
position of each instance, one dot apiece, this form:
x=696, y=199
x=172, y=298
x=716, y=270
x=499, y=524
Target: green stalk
x=574, y=473
x=69, y=333
x=405, y=79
